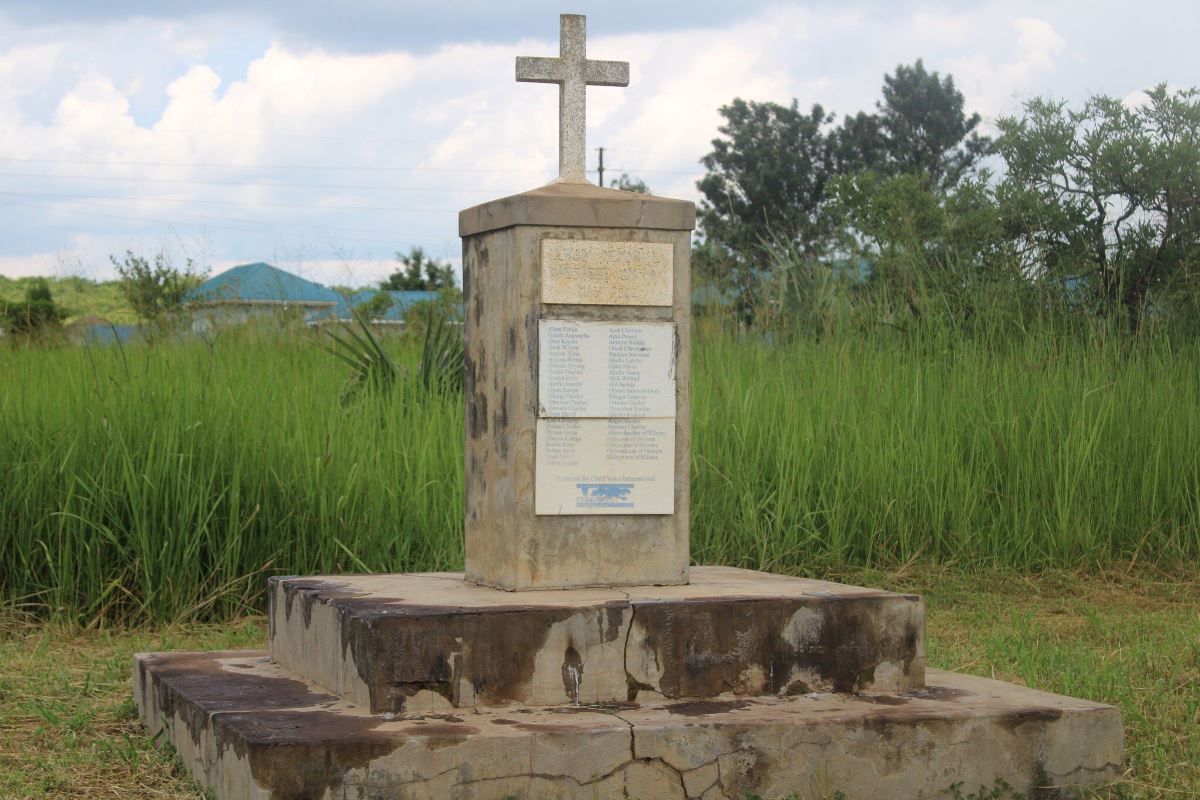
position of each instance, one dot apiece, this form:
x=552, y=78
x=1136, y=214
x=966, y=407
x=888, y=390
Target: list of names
x=605, y=369
x=605, y=466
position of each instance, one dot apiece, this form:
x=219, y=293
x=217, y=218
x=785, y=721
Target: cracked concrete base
x=249, y=729
x=411, y=644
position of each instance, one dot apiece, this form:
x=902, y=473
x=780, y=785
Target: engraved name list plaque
x=606, y=389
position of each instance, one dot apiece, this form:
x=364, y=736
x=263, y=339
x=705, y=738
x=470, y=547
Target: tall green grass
x=165, y=481
x=162, y=481
x=1044, y=452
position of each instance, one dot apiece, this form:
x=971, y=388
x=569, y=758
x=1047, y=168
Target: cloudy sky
x=324, y=137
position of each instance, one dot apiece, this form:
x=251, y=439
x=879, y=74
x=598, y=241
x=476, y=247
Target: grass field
x=68, y=728
x=164, y=482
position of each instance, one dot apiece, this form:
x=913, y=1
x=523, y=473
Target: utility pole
x=601, y=170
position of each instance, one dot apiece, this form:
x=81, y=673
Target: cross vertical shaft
x=573, y=73
x=572, y=98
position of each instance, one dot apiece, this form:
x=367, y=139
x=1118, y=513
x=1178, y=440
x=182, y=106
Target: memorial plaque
x=605, y=466
x=606, y=369
x=582, y=271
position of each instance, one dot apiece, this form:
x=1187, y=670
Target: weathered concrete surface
x=508, y=545
x=248, y=730
x=568, y=204
x=413, y=643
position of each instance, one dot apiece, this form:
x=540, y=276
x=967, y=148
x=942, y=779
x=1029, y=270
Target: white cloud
x=48, y=264
x=994, y=86
x=382, y=149
x=23, y=69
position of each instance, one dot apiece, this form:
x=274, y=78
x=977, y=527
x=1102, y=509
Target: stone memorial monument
x=577, y=303
x=578, y=656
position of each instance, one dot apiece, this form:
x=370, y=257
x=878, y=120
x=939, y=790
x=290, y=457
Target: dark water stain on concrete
x=439, y=736
x=308, y=591
x=703, y=647
x=584, y=708
x=500, y=435
x=398, y=652
x=883, y=699
x=1028, y=716
x=299, y=755
x=295, y=748
x=937, y=693
x=572, y=673
x=699, y=708
x=194, y=686
x=444, y=717
x=401, y=649
x=563, y=727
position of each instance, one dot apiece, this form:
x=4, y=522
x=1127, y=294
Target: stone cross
x=573, y=73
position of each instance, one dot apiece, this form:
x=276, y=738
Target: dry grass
x=68, y=727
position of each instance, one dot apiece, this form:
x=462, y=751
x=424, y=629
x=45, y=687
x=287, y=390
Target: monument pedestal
x=423, y=686
x=577, y=306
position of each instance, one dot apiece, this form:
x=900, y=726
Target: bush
x=33, y=317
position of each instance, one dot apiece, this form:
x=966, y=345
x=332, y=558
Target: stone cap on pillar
x=569, y=204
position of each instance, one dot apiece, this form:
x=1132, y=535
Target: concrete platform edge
x=249, y=730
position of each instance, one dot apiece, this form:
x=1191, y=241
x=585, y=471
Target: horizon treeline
x=1073, y=214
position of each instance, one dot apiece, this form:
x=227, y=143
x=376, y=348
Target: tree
x=766, y=177
x=1107, y=197
x=37, y=314
x=923, y=128
x=628, y=183
x=922, y=240
x=380, y=303
x=420, y=273
x=769, y=173
x=153, y=289
x=859, y=144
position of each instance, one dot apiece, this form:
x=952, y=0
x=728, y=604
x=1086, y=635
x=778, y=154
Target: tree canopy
x=628, y=183
x=419, y=273
x=769, y=171
x=156, y=286
x=1106, y=198
x=1097, y=204
x=924, y=128
x=766, y=175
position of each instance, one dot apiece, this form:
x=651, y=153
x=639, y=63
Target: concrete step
x=422, y=642
x=250, y=730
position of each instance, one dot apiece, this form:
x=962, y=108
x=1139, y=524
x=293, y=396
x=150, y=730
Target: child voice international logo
x=607, y=495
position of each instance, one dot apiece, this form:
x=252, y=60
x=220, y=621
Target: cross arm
x=532, y=69
x=607, y=73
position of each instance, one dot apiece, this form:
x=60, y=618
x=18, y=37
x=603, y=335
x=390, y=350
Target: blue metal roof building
x=252, y=289
x=261, y=284
x=401, y=303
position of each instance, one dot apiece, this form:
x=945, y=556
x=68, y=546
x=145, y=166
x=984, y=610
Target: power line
x=633, y=171
x=251, y=182
x=258, y=229
x=324, y=167
x=246, y=203
x=230, y=165
x=244, y=134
